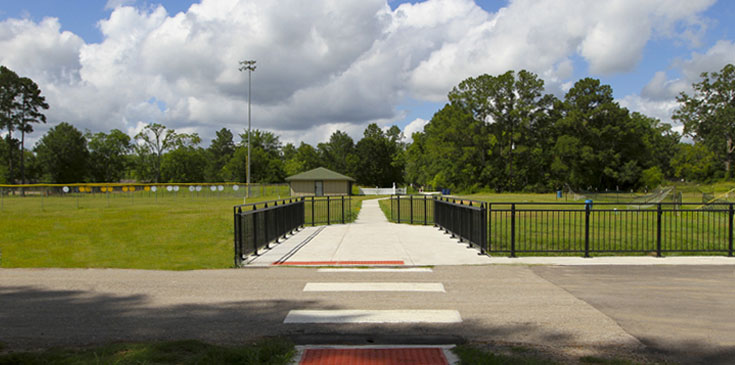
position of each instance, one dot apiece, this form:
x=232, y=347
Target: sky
x=328, y=65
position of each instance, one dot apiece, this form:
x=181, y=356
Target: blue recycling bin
x=558, y=194
x=588, y=202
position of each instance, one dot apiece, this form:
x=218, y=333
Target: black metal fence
x=586, y=229
x=259, y=224
x=413, y=209
x=328, y=210
x=465, y=220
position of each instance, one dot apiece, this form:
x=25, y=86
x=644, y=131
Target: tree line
x=158, y=154
x=499, y=133
x=503, y=133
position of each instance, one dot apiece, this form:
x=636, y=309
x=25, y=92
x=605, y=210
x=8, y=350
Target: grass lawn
x=136, y=231
x=270, y=351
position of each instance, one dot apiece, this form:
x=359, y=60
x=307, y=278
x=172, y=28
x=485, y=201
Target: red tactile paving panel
x=392, y=356
x=337, y=263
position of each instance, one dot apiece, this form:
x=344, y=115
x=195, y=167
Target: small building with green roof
x=320, y=182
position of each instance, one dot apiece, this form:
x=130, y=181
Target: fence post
x=328, y=213
x=659, y=213
x=391, y=208
x=398, y=210
x=410, y=209
x=453, y=217
x=729, y=236
x=587, y=229
x=303, y=211
x=312, y=212
x=425, y=219
x=343, y=209
x=470, y=232
x=277, y=218
x=238, y=248
x=489, y=225
x=255, y=229
x=483, y=228
x=513, y=230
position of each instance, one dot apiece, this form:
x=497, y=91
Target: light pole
x=510, y=154
x=248, y=65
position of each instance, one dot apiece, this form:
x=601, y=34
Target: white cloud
x=323, y=65
x=416, y=126
x=658, y=97
x=40, y=50
x=112, y=4
x=661, y=109
x=719, y=55
x=540, y=36
x=660, y=88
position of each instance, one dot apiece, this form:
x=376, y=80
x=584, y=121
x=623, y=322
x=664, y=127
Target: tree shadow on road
x=34, y=318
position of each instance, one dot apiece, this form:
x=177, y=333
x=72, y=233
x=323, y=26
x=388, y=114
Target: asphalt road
x=683, y=312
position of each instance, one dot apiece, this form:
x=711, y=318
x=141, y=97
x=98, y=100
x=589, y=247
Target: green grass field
x=136, y=231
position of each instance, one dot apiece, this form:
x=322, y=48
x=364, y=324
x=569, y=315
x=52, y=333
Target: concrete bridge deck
x=371, y=240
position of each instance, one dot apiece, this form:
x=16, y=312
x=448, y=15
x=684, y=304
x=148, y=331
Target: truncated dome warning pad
x=391, y=356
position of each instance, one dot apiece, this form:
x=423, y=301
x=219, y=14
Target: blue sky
x=393, y=66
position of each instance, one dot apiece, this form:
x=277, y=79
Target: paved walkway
x=371, y=240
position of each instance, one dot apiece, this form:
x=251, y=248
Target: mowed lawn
x=137, y=231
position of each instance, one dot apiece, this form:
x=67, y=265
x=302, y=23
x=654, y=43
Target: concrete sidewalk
x=371, y=240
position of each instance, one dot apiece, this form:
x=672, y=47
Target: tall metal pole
x=247, y=172
x=510, y=153
x=250, y=67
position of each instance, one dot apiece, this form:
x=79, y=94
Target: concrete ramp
x=370, y=241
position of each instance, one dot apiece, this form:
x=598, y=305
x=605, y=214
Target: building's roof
x=319, y=173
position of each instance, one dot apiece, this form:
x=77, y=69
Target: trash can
x=588, y=202
x=558, y=194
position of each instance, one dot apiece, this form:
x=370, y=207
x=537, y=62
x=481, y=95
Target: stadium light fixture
x=248, y=65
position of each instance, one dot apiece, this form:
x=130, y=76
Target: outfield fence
x=257, y=225
x=112, y=193
x=575, y=228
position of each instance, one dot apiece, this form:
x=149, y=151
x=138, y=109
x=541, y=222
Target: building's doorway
x=319, y=188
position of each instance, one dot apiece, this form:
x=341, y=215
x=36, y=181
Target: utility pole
x=248, y=65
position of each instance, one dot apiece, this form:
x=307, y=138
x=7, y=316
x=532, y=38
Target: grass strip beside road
x=478, y=354
x=270, y=351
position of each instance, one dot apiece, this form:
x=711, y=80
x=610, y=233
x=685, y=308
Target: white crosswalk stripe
x=377, y=269
x=370, y=286
x=373, y=316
